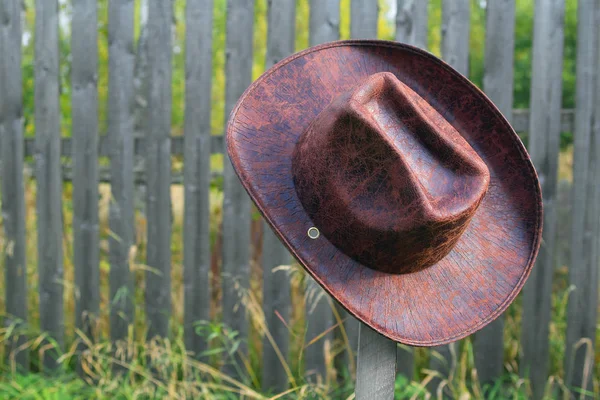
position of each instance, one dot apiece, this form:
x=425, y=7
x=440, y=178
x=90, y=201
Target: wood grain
x=363, y=19
x=196, y=248
x=544, y=143
x=411, y=22
x=581, y=323
x=11, y=178
x=84, y=109
x=235, y=267
x=498, y=85
x=376, y=371
x=158, y=168
x=120, y=143
x=276, y=282
x=456, y=24
x=49, y=180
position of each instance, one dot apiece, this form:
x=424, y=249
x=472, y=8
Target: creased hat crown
x=386, y=179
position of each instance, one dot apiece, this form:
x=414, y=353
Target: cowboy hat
x=395, y=182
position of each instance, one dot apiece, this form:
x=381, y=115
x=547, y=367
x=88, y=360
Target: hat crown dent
x=386, y=179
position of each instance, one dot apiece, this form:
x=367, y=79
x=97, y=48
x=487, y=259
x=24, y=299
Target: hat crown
x=386, y=179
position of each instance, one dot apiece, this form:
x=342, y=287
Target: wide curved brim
x=488, y=266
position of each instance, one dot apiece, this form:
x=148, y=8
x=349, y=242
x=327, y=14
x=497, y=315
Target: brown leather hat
x=396, y=183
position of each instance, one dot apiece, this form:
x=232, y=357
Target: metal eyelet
x=313, y=233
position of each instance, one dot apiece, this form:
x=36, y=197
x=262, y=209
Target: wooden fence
x=544, y=121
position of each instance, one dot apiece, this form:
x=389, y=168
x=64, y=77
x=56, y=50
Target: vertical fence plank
x=158, y=169
x=363, y=19
x=324, y=21
x=196, y=249
x=236, y=204
x=543, y=146
x=276, y=283
x=141, y=93
x=456, y=16
x=411, y=28
x=324, y=27
x=594, y=204
x=580, y=321
x=498, y=85
x=48, y=174
x=121, y=217
x=376, y=371
x=11, y=176
x=84, y=109
x=455, y=51
x=411, y=22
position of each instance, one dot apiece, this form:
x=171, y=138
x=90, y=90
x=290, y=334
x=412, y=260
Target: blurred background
x=156, y=302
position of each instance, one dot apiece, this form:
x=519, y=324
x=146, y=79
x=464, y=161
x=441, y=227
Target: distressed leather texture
x=387, y=179
x=428, y=205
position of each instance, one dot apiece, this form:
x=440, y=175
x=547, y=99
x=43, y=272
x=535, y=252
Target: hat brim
x=486, y=269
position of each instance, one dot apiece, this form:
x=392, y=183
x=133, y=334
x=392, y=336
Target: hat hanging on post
x=395, y=182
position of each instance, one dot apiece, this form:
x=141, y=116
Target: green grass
x=164, y=368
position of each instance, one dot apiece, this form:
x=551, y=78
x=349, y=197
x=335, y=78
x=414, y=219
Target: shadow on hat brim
x=487, y=268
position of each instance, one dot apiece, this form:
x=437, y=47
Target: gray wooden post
x=581, y=321
x=363, y=19
x=48, y=175
x=376, y=370
x=324, y=27
x=120, y=143
x=411, y=28
x=276, y=284
x=411, y=22
x=498, y=85
x=544, y=139
x=158, y=169
x=196, y=248
x=11, y=177
x=236, y=203
x=84, y=98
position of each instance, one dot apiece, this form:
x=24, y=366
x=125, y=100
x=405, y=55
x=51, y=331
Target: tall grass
x=159, y=368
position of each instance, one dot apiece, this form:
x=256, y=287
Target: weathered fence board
x=363, y=19
x=594, y=208
x=49, y=181
x=324, y=27
x=158, y=168
x=84, y=109
x=376, y=370
x=455, y=51
x=196, y=248
x=411, y=28
x=276, y=282
x=324, y=21
x=498, y=85
x=581, y=324
x=235, y=267
x=543, y=146
x=456, y=24
x=11, y=176
x=120, y=142
x=411, y=22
